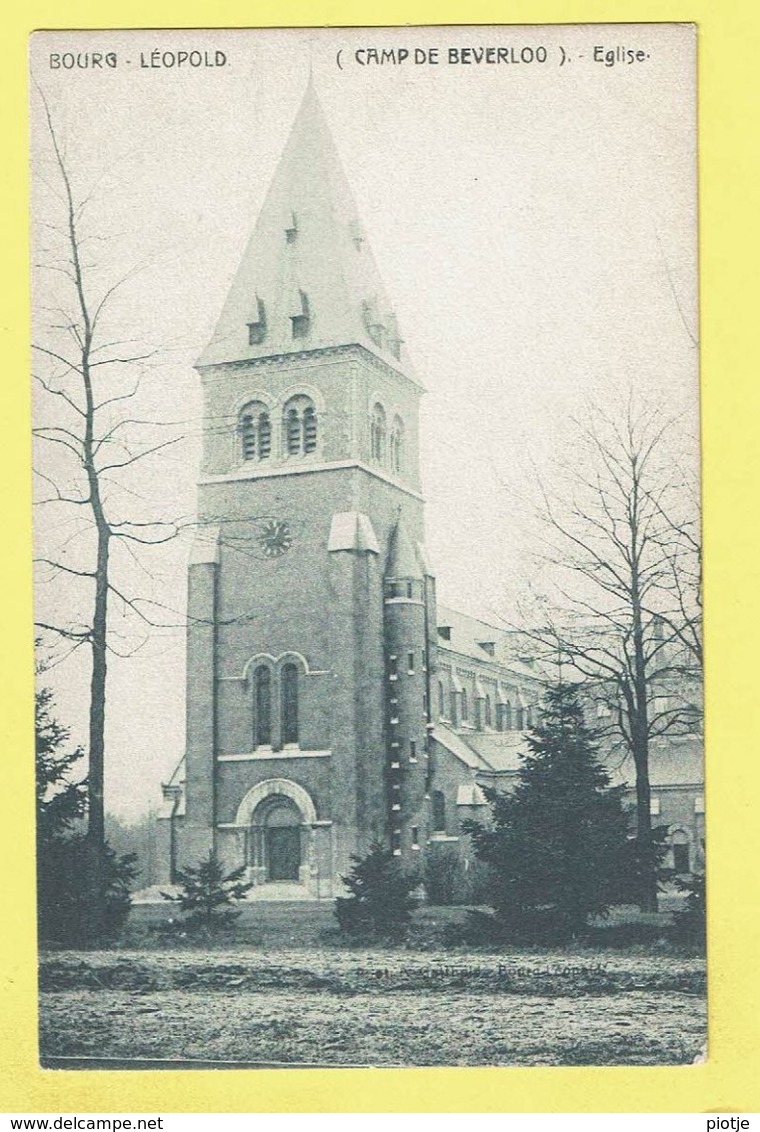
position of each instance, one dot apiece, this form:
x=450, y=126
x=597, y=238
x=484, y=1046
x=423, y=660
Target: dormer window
x=257, y=331
x=356, y=236
x=372, y=323
x=488, y=646
x=393, y=338
x=444, y=632
x=301, y=319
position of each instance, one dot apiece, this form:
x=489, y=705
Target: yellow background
x=729, y=102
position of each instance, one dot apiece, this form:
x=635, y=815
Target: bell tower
x=309, y=518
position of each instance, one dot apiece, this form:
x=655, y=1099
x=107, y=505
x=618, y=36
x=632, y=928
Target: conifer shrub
x=380, y=900
x=557, y=844
x=64, y=898
x=690, y=924
x=207, y=895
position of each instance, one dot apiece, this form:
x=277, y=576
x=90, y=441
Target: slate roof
x=308, y=241
x=469, y=633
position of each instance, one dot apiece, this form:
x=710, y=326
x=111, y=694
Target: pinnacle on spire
x=307, y=279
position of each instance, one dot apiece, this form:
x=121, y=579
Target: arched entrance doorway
x=281, y=822
x=288, y=851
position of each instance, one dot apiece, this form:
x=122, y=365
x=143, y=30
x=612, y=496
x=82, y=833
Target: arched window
x=255, y=429
x=378, y=431
x=507, y=716
x=289, y=697
x=488, y=711
x=441, y=699
x=299, y=426
x=465, y=706
x=530, y=717
x=439, y=810
x=397, y=445
x=520, y=719
x=453, y=712
x=262, y=681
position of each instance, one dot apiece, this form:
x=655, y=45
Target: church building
x=330, y=701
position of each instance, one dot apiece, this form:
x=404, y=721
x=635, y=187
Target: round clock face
x=275, y=537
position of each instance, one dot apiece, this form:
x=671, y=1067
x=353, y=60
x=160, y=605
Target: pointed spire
x=307, y=279
x=402, y=557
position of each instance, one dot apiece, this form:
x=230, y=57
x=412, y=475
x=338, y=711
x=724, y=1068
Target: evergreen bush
x=208, y=895
x=557, y=845
x=380, y=900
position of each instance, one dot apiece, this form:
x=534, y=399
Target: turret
x=407, y=694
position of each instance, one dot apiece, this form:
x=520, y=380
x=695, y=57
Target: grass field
x=279, y=991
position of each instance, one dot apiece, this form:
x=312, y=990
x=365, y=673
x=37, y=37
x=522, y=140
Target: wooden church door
x=283, y=852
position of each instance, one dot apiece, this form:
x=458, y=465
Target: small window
x=293, y=432
x=397, y=445
x=441, y=699
x=412, y=751
x=507, y=717
x=378, y=433
x=465, y=705
x=393, y=667
x=489, y=720
x=396, y=842
x=438, y=801
x=309, y=429
x=424, y=660
x=425, y=705
x=289, y=704
x=415, y=837
x=521, y=719
x=410, y=589
x=453, y=702
x=410, y=663
x=262, y=680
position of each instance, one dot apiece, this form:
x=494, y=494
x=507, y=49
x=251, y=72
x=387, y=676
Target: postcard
x=367, y=547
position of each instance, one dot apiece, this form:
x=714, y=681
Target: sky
x=534, y=224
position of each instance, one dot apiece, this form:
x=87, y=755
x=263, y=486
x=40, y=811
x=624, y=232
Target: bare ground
x=373, y=1007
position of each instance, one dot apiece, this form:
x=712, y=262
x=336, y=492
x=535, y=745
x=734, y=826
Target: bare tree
x=88, y=382
x=621, y=600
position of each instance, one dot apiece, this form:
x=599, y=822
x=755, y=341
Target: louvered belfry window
x=300, y=426
x=255, y=429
